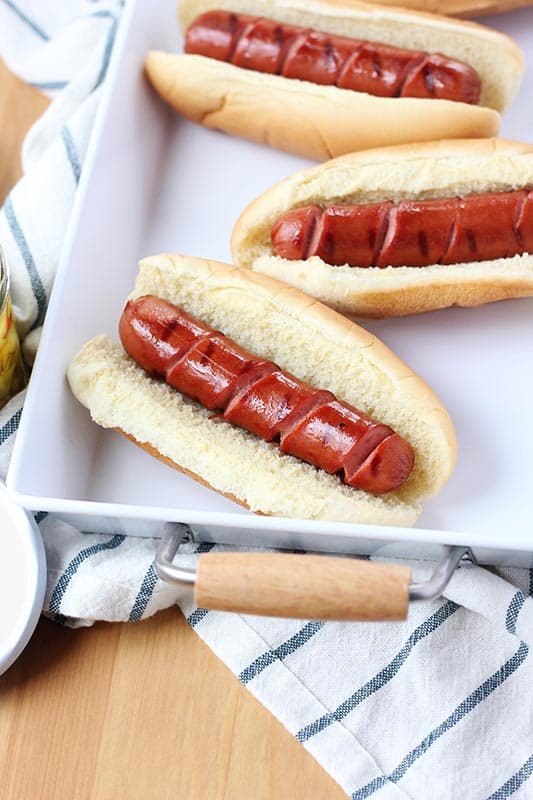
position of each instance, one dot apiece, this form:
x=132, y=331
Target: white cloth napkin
x=438, y=707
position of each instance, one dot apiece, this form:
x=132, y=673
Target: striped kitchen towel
x=437, y=707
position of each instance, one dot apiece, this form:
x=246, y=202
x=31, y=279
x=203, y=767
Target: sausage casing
x=257, y=395
x=453, y=230
x=265, y=45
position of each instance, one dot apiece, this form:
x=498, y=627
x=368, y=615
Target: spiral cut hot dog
x=255, y=394
x=415, y=234
x=267, y=46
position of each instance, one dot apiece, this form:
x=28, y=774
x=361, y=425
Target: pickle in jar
x=12, y=373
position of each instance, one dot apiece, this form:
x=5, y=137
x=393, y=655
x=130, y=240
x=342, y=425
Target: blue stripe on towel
x=48, y=86
x=108, y=47
x=22, y=16
x=197, y=616
x=63, y=582
x=72, y=152
x=463, y=709
x=515, y=606
x=383, y=677
x=148, y=585
x=281, y=652
x=36, y=283
x=515, y=782
x=144, y=594
x=10, y=427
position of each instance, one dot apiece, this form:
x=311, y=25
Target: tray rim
x=117, y=53
x=385, y=533
x=93, y=509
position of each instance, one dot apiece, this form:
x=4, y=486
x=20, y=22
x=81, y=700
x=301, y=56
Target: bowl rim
x=34, y=564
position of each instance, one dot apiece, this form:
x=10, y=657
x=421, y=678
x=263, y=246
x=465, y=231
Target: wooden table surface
x=134, y=710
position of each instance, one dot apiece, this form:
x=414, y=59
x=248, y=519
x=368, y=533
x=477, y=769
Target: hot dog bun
x=302, y=336
x=421, y=171
x=461, y=8
x=322, y=122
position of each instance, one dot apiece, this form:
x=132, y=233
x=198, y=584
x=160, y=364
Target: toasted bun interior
x=420, y=171
x=303, y=337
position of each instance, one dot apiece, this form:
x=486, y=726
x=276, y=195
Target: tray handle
x=301, y=586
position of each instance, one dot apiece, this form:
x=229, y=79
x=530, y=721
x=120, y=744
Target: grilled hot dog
x=255, y=394
x=265, y=45
x=415, y=234
x=320, y=79
x=235, y=402
x=353, y=232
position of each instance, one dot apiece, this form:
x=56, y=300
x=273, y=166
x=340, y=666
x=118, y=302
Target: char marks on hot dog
x=417, y=234
x=257, y=395
x=265, y=45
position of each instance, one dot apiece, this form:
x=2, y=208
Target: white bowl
x=22, y=578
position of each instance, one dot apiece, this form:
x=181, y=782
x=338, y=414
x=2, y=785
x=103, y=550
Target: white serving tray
x=154, y=182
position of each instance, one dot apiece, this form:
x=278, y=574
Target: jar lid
x=22, y=578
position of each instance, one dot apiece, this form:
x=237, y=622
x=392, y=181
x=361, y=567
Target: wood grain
x=140, y=711
x=20, y=105
x=302, y=586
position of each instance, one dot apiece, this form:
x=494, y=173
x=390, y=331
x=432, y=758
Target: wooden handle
x=302, y=587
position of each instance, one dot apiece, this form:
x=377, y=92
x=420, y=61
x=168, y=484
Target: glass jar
x=12, y=372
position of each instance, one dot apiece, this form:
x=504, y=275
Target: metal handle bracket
x=176, y=532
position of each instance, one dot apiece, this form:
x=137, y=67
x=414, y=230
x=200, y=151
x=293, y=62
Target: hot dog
x=321, y=79
x=454, y=230
x=227, y=399
x=355, y=231
x=264, y=45
x=255, y=394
